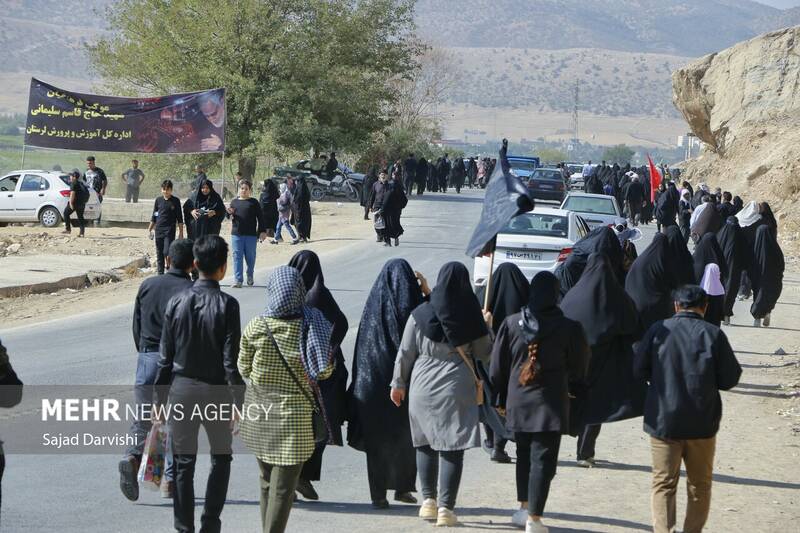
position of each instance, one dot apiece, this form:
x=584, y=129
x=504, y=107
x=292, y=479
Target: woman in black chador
x=650, y=282
x=333, y=389
x=269, y=206
x=611, y=323
x=375, y=425
x=301, y=210
x=767, y=275
x=208, y=210
x=737, y=257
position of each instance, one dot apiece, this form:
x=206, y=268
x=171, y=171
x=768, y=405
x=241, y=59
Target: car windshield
x=574, y=169
x=586, y=204
x=541, y=224
x=522, y=165
x=547, y=174
x=65, y=179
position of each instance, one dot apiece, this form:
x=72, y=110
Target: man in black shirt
x=199, y=177
x=78, y=196
x=686, y=362
x=331, y=166
x=166, y=216
x=148, y=319
x=197, y=370
x=95, y=178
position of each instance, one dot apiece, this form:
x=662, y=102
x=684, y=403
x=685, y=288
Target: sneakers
x=295, y=242
x=446, y=518
x=428, y=509
x=387, y=244
x=586, y=463
x=396, y=241
x=273, y=241
x=128, y=468
x=726, y=321
x=520, y=517
x=237, y=285
x=167, y=489
x=306, y=490
x=535, y=526
x=404, y=497
x=250, y=281
x=766, y=320
x=757, y=323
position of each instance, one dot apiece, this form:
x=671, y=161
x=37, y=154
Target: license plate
x=532, y=256
x=543, y=186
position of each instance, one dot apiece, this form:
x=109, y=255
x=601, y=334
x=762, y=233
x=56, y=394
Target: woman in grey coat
x=436, y=360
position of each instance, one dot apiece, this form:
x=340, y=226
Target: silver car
x=596, y=209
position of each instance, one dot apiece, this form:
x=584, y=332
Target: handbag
x=380, y=222
x=478, y=381
x=318, y=423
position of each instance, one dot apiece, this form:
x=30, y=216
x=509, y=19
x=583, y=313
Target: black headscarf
x=318, y=296
x=650, y=282
x=600, y=304
x=602, y=239
x=453, y=314
x=681, y=262
x=509, y=293
x=708, y=251
x=768, y=272
x=542, y=316
x=213, y=202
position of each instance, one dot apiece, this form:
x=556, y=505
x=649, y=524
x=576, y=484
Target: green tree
x=620, y=154
x=300, y=73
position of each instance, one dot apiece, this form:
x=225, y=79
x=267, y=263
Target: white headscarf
x=710, y=282
x=749, y=215
x=696, y=213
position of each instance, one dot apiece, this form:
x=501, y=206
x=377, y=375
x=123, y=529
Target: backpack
x=82, y=194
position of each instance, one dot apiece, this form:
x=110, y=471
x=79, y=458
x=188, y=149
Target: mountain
x=677, y=27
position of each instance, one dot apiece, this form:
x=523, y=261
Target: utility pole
x=575, y=123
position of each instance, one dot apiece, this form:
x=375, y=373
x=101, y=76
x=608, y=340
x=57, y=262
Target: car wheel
x=49, y=217
x=317, y=193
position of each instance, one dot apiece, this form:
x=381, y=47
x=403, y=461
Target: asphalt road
x=80, y=493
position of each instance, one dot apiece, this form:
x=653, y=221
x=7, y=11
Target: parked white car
x=596, y=209
x=39, y=196
x=534, y=241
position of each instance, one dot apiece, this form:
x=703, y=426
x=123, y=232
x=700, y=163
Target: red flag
x=655, y=179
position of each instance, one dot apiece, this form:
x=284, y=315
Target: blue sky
x=783, y=4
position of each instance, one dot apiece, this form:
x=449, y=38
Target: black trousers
x=191, y=393
x=131, y=193
x=78, y=211
x=312, y=468
x=163, y=242
x=587, y=440
x=2, y=469
x=442, y=469
x=496, y=442
x=537, y=459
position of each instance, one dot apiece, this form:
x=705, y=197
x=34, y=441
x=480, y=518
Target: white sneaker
x=520, y=517
x=586, y=463
x=757, y=323
x=428, y=509
x=446, y=518
x=535, y=526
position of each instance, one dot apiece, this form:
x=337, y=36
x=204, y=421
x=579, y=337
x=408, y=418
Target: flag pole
x=23, y=156
x=488, y=283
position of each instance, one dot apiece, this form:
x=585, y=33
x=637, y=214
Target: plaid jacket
x=277, y=425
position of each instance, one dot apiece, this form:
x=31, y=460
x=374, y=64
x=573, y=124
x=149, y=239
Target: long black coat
x=206, y=225
x=737, y=257
x=393, y=204
x=563, y=358
x=650, y=282
x=269, y=206
x=602, y=239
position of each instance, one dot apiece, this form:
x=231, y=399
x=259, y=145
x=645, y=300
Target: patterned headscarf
x=286, y=296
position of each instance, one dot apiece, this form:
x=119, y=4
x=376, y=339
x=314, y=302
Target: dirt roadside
x=334, y=224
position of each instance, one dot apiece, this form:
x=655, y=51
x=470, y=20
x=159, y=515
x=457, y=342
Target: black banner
x=178, y=123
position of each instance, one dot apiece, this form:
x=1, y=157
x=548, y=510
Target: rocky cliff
x=744, y=104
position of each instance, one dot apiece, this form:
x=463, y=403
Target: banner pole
x=23, y=156
x=488, y=283
x=223, y=173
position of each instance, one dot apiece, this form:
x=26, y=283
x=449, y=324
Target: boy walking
x=166, y=216
x=78, y=196
x=686, y=361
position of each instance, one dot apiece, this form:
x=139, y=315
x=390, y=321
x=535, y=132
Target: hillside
x=611, y=83
x=677, y=27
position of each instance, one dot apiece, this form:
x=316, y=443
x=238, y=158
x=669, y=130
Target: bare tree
x=421, y=94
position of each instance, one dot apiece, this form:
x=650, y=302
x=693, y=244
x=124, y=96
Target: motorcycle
x=341, y=184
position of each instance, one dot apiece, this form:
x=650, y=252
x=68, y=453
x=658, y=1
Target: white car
x=39, y=195
x=534, y=241
x=596, y=209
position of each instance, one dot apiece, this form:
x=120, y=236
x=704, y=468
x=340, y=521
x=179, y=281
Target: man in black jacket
x=10, y=395
x=409, y=173
x=634, y=198
x=686, y=361
x=197, y=371
x=148, y=320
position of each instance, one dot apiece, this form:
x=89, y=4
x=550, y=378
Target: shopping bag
x=151, y=468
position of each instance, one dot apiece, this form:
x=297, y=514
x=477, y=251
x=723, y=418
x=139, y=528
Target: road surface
x=755, y=489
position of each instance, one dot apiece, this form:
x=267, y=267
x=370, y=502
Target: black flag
x=506, y=197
